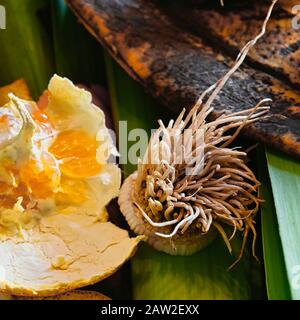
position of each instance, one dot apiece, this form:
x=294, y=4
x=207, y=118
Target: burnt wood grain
x=231, y=27
x=176, y=65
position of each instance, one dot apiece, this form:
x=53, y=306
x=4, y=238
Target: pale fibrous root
x=191, y=180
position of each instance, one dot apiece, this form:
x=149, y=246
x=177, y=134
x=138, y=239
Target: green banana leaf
x=157, y=275
x=26, y=51
x=277, y=283
x=78, y=55
x=285, y=182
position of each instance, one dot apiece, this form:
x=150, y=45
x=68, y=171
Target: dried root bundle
x=191, y=183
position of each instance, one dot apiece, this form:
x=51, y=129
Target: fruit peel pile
x=55, y=181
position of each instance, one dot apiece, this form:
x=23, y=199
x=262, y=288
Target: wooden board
x=176, y=65
x=231, y=27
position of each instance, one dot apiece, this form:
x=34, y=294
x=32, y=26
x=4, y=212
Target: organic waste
x=71, y=295
x=55, y=182
x=187, y=188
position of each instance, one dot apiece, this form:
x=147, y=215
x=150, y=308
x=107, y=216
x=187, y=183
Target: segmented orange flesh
x=4, y=188
x=9, y=195
x=77, y=152
x=71, y=192
x=9, y=124
x=4, y=119
x=43, y=100
x=37, y=177
x=41, y=176
x=7, y=201
x=40, y=118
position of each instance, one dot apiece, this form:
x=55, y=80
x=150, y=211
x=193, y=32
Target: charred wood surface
x=163, y=50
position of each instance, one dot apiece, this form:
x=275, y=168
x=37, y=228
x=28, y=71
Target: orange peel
x=54, y=234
